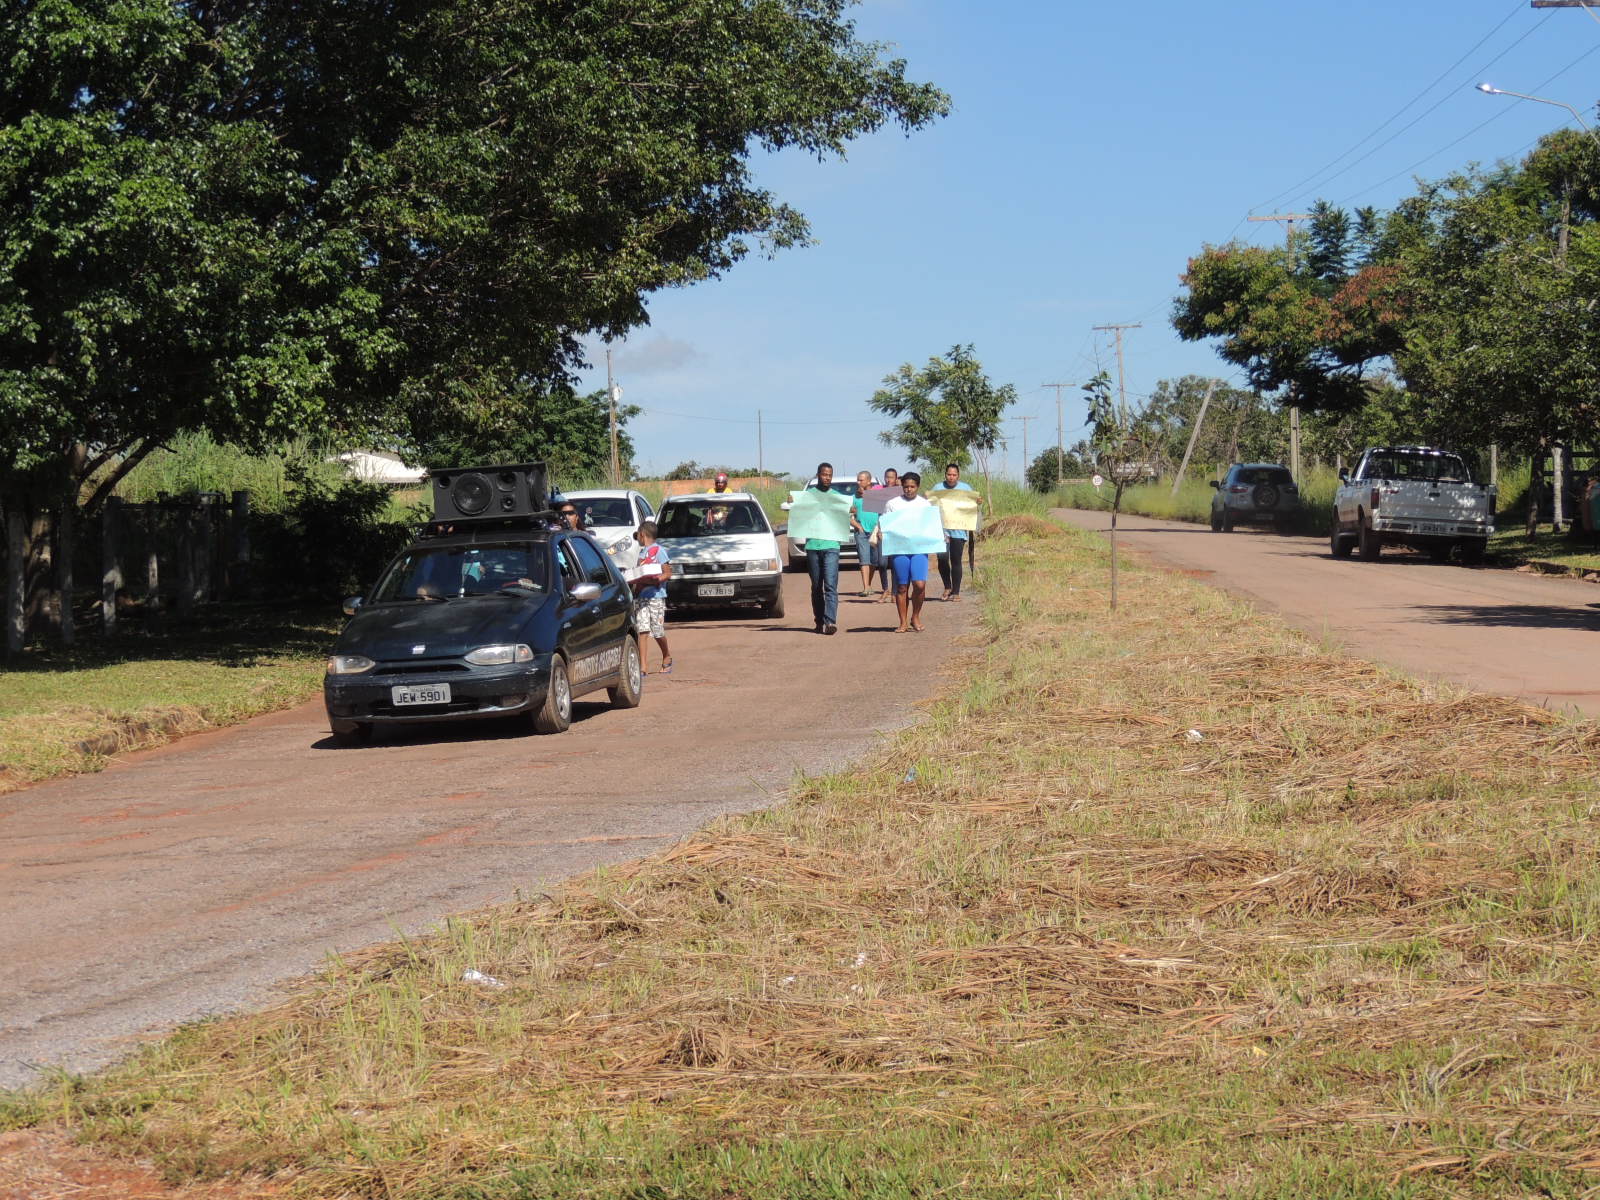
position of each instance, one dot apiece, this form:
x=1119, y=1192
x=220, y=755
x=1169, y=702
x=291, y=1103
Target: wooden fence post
x=66, y=531
x=110, y=563
x=239, y=564
x=184, y=547
x=152, y=568
x=16, y=568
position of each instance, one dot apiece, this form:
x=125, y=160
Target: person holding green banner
x=865, y=523
x=822, y=518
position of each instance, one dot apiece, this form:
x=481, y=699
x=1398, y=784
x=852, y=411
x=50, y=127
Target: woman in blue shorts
x=910, y=570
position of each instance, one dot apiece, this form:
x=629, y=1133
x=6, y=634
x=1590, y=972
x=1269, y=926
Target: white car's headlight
x=763, y=564
x=498, y=656
x=349, y=664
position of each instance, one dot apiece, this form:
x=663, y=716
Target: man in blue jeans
x=822, y=560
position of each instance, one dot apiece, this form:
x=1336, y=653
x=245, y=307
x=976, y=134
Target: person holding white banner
x=956, y=539
x=910, y=530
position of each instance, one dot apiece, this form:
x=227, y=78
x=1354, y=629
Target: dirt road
x=1512, y=634
x=189, y=880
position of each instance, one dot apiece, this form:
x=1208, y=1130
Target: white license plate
x=1427, y=527
x=432, y=693
x=715, y=589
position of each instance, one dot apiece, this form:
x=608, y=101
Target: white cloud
x=657, y=356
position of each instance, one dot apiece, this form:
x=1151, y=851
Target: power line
x=1401, y=111
x=751, y=420
x=1539, y=87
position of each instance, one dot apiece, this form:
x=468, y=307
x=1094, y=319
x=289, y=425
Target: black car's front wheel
x=630, y=688
x=351, y=733
x=555, y=714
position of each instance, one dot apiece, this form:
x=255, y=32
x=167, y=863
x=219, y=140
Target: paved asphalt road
x=1531, y=636
x=189, y=880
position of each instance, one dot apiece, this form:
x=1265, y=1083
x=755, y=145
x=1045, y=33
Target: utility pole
x=611, y=397
x=1194, y=434
x=1122, y=383
x=761, y=454
x=1026, y=461
x=1288, y=220
x=1058, y=387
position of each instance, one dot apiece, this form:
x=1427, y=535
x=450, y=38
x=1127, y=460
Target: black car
x=1255, y=492
x=487, y=619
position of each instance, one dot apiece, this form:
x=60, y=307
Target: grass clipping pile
x=1167, y=903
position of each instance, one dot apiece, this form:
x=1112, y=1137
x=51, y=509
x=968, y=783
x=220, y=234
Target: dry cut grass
x=1167, y=904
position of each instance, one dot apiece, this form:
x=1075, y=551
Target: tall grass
x=197, y=463
x=1193, y=499
x=1168, y=902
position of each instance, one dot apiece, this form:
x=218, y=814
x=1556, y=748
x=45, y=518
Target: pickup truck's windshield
x=1428, y=468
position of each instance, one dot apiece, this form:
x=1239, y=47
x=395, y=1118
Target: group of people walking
x=902, y=576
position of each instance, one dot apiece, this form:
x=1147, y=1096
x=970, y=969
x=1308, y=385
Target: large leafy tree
x=1315, y=319
x=259, y=218
x=570, y=432
x=947, y=408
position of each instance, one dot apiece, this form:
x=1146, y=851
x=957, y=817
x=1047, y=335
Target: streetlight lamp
x=1488, y=89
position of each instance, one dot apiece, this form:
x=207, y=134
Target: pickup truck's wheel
x=1472, y=550
x=631, y=686
x=1339, y=542
x=1368, y=541
x=555, y=714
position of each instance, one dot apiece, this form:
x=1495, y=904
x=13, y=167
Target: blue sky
x=1092, y=149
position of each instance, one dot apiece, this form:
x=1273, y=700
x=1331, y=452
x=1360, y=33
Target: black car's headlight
x=349, y=664
x=498, y=656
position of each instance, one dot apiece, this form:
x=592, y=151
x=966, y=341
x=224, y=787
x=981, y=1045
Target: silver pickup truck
x=1412, y=496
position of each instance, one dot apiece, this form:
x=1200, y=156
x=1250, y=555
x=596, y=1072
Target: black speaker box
x=481, y=493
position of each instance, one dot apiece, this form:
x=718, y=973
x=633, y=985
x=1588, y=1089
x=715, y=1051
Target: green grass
x=1511, y=546
x=1193, y=500
x=63, y=710
x=1336, y=942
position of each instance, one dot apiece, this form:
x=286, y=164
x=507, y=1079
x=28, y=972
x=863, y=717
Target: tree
x=950, y=409
x=1075, y=463
x=259, y=219
x=1240, y=425
x=1124, y=439
x=570, y=432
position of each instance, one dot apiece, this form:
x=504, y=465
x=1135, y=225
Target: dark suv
x=1255, y=492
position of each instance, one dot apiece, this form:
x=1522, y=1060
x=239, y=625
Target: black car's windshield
x=699, y=518
x=451, y=572
x=612, y=510
x=1430, y=468
x=1278, y=476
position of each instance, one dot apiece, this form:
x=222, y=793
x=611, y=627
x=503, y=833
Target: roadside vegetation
x=65, y=710
x=1171, y=903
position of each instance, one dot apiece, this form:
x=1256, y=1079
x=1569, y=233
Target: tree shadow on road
x=1522, y=616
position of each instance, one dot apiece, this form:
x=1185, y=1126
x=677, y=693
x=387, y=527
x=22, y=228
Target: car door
x=611, y=610
x=580, y=618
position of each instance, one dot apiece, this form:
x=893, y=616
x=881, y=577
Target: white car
x=723, y=550
x=611, y=515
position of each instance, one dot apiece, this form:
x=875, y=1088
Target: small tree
x=950, y=409
x=1123, y=441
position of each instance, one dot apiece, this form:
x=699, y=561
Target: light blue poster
x=824, y=515
x=917, y=529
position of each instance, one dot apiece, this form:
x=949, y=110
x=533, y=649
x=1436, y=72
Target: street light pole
x=1488, y=89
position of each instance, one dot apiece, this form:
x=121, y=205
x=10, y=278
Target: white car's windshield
x=704, y=518
x=611, y=510
x=450, y=572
